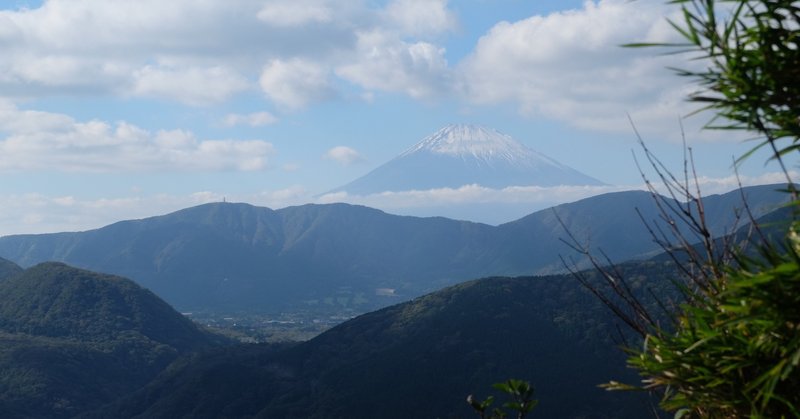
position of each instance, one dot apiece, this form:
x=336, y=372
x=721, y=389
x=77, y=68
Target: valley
x=340, y=310
x=255, y=327
x=326, y=352
x=393, y=209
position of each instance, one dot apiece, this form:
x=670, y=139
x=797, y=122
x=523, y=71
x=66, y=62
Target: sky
x=116, y=109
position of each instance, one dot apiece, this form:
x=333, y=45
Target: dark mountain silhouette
x=238, y=256
x=72, y=340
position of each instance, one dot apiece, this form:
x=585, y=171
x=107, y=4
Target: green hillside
x=420, y=359
x=8, y=269
x=71, y=340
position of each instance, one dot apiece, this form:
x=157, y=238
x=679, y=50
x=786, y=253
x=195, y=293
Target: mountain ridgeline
x=225, y=255
x=74, y=343
x=420, y=359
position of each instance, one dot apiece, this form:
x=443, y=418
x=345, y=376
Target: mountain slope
x=238, y=256
x=459, y=155
x=56, y=300
x=420, y=359
x=8, y=269
x=71, y=340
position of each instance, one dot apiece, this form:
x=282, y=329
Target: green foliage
x=522, y=401
x=751, y=73
x=8, y=269
x=56, y=300
x=733, y=348
x=735, y=353
x=72, y=340
x=431, y=351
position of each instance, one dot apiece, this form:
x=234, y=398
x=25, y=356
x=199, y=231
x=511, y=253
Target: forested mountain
x=421, y=359
x=72, y=340
x=228, y=255
x=8, y=269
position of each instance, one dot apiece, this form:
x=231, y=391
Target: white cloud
x=566, y=66
x=471, y=194
x=495, y=206
x=472, y=202
x=164, y=49
x=296, y=12
x=40, y=213
x=293, y=195
x=420, y=17
x=193, y=86
x=109, y=47
x=570, y=66
x=47, y=141
x=255, y=119
x=384, y=62
x=174, y=50
x=343, y=155
x=296, y=83
x=711, y=185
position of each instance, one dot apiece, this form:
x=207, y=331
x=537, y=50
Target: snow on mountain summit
x=481, y=143
x=459, y=155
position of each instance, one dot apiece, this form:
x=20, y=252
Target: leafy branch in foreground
x=736, y=354
x=751, y=73
x=522, y=400
x=730, y=346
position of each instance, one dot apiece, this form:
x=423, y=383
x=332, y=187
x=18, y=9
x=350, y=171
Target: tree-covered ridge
x=420, y=359
x=433, y=351
x=8, y=269
x=71, y=340
x=53, y=299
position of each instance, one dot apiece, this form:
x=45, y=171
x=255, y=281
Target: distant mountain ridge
x=459, y=155
x=228, y=255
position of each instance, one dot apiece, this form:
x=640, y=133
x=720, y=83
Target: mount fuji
x=459, y=155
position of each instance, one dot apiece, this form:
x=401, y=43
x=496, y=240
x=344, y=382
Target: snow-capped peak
x=484, y=144
x=459, y=155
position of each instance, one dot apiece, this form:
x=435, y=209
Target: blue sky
x=112, y=110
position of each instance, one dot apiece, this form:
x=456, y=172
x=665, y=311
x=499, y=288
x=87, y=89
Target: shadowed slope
x=419, y=359
x=71, y=340
x=237, y=256
x=8, y=269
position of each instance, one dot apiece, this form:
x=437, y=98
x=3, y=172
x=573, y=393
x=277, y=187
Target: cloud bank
x=567, y=66
x=44, y=141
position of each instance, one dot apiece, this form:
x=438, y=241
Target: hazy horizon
x=112, y=111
